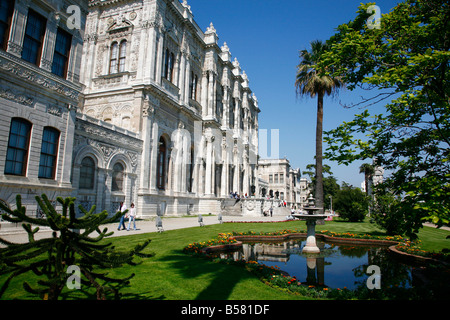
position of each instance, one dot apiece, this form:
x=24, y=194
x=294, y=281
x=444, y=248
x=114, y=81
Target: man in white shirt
x=122, y=208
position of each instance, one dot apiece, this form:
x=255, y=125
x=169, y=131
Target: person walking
x=132, y=217
x=122, y=208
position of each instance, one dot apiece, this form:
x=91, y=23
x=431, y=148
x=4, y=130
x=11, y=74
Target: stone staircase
x=231, y=207
x=281, y=211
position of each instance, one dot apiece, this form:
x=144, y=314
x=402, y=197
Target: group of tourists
x=130, y=215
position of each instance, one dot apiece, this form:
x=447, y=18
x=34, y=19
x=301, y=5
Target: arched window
x=117, y=177
x=118, y=57
x=161, y=165
x=18, y=146
x=122, y=55
x=193, y=86
x=49, y=153
x=168, y=65
x=113, y=58
x=87, y=174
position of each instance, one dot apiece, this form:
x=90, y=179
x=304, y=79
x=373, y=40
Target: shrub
x=351, y=203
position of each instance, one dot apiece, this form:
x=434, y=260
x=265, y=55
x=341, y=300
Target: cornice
x=101, y=3
x=28, y=72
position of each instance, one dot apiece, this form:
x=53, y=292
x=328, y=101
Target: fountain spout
x=311, y=218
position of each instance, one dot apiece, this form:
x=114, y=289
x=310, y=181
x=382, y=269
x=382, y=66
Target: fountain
x=311, y=218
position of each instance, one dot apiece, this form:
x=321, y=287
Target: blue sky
x=266, y=36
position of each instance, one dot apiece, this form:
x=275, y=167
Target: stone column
x=87, y=67
x=185, y=164
x=154, y=156
x=151, y=54
x=237, y=115
x=108, y=185
x=177, y=70
x=68, y=146
x=169, y=171
x=48, y=47
x=204, y=94
x=17, y=30
x=182, y=78
x=187, y=81
x=245, y=183
x=237, y=172
x=147, y=121
x=159, y=58
x=226, y=106
x=209, y=164
x=211, y=96
x=102, y=176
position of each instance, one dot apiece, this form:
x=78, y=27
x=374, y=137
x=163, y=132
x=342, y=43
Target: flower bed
x=274, y=277
x=223, y=241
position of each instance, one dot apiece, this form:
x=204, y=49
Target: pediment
x=119, y=26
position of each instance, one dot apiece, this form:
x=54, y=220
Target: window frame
x=65, y=56
x=114, y=58
x=45, y=156
x=6, y=24
x=122, y=56
x=118, y=56
x=169, y=65
x=29, y=39
x=14, y=149
x=117, y=176
x=87, y=174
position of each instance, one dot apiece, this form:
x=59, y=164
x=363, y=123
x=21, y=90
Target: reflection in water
x=335, y=266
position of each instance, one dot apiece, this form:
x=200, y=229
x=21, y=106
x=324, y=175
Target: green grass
x=173, y=275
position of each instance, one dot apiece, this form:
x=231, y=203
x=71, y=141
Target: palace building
x=136, y=104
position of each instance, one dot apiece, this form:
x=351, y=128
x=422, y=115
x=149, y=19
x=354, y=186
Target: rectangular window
x=34, y=38
x=6, y=12
x=49, y=153
x=62, y=52
x=281, y=178
x=270, y=178
x=276, y=178
x=18, y=145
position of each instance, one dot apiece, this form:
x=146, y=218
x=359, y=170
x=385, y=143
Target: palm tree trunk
x=319, y=169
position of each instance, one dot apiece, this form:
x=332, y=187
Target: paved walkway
x=15, y=233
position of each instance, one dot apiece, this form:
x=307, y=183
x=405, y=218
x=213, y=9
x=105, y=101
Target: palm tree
x=311, y=82
x=368, y=171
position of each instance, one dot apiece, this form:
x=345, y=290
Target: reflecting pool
x=345, y=266
x=336, y=266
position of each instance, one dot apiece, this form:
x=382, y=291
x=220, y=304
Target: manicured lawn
x=173, y=275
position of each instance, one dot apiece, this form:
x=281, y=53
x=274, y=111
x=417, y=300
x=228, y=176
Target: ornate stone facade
x=149, y=69
x=282, y=183
x=38, y=101
x=145, y=108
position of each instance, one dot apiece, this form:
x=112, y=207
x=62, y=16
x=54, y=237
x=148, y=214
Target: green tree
x=388, y=214
x=407, y=61
x=330, y=185
x=310, y=82
x=351, y=203
x=69, y=245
